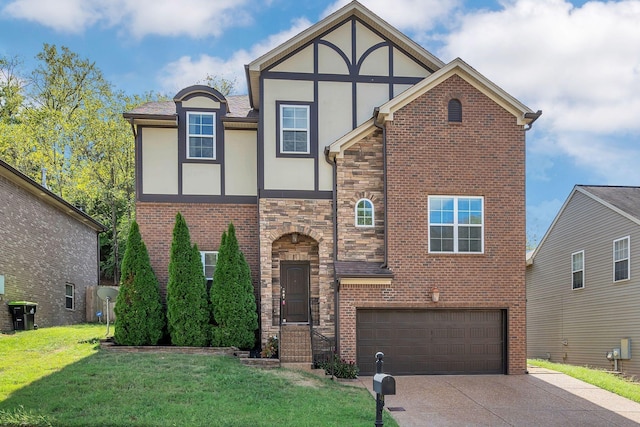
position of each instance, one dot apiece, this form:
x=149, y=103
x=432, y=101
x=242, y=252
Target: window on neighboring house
x=364, y=213
x=294, y=129
x=577, y=270
x=209, y=261
x=69, y=296
x=621, y=259
x=455, y=110
x=201, y=141
x=456, y=224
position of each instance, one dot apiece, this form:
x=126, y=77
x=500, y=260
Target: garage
x=438, y=341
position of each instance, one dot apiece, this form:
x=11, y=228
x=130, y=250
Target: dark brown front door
x=294, y=276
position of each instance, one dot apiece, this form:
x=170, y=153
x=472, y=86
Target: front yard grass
x=598, y=377
x=59, y=377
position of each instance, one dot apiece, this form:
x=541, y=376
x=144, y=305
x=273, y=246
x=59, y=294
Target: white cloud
x=187, y=71
x=139, y=18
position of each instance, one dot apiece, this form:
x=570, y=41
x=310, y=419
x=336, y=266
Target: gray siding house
x=583, y=282
x=48, y=252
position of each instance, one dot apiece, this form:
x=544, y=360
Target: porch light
x=294, y=237
x=435, y=294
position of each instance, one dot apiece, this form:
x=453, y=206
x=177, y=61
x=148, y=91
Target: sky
x=577, y=61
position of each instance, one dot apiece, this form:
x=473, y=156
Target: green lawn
x=598, y=377
x=59, y=377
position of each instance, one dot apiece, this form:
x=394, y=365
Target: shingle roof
x=361, y=269
x=238, y=107
x=627, y=199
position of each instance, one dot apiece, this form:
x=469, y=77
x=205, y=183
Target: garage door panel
x=431, y=341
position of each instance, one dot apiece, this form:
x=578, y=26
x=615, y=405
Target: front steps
x=295, y=344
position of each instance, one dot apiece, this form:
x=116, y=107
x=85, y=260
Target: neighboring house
x=361, y=172
x=48, y=251
x=583, y=284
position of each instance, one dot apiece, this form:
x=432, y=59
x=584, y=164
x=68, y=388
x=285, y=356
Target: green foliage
x=270, y=350
x=340, y=368
x=232, y=297
x=187, y=307
x=139, y=313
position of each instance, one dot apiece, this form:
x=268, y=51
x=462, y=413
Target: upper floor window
x=364, y=213
x=69, y=296
x=201, y=136
x=454, y=110
x=294, y=129
x=456, y=224
x=577, y=270
x=621, y=265
x=209, y=261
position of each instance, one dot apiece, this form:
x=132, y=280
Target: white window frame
x=364, y=216
x=625, y=258
x=455, y=223
x=203, y=256
x=283, y=129
x=574, y=270
x=200, y=135
x=71, y=297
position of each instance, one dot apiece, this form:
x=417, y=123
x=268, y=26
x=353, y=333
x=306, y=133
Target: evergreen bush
x=232, y=297
x=139, y=313
x=187, y=306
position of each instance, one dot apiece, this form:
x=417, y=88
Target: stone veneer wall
x=426, y=155
x=41, y=249
x=312, y=220
x=360, y=175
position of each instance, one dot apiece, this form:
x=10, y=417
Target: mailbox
x=384, y=384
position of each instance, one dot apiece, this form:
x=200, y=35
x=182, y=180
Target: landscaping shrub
x=138, y=309
x=270, y=350
x=232, y=298
x=340, y=368
x=187, y=307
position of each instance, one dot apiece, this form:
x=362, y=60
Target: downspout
x=336, y=285
x=384, y=182
x=533, y=117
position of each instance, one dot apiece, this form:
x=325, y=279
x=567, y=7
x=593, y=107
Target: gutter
x=533, y=117
x=336, y=283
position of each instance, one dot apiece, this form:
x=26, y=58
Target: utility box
x=625, y=348
x=384, y=384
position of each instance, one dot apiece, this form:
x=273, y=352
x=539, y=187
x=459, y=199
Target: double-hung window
x=621, y=264
x=294, y=129
x=577, y=270
x=456, y=224
x=201, y=131
x=209, y=261
x=69, y=296
x=364, y=213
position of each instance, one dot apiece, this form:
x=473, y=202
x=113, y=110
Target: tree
x=221, y=84
x=140, y=317
x=232, y=296
x=187, y=307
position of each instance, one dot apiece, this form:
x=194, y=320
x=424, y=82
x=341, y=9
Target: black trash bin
x=23, y=314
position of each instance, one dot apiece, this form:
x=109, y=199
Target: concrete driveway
x=541, y=398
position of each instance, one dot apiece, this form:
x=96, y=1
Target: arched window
x=364, y=213
x=455, y=110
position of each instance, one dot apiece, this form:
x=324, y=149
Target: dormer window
x=455, y=110
x=201, y=133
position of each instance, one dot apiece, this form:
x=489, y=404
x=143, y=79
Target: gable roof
x=623, y=200
x=354, y=8
x=42, y=193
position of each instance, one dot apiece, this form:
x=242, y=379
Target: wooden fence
x=94, y=305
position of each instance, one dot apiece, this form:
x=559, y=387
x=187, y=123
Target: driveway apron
x=541, y=398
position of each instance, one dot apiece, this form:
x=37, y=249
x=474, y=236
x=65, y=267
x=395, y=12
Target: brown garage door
x=431, y=341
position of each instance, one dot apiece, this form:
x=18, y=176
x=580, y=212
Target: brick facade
x=206, y=224
x=484, y=155
x=41, y=250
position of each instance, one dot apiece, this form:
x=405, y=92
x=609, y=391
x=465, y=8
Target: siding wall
x=41, y=249
x=591, y=320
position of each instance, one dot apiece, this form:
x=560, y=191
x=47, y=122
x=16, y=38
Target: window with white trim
x=364, y=213
x=456, y=224
x=209, y=261
x=201, y=131
x=577, y=270
x=294, y=129
x=69, y=296
x=621, y=264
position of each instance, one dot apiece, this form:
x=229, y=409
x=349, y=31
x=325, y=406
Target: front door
x=294, y=276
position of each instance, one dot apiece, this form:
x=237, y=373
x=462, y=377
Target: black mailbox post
x=383, y=384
